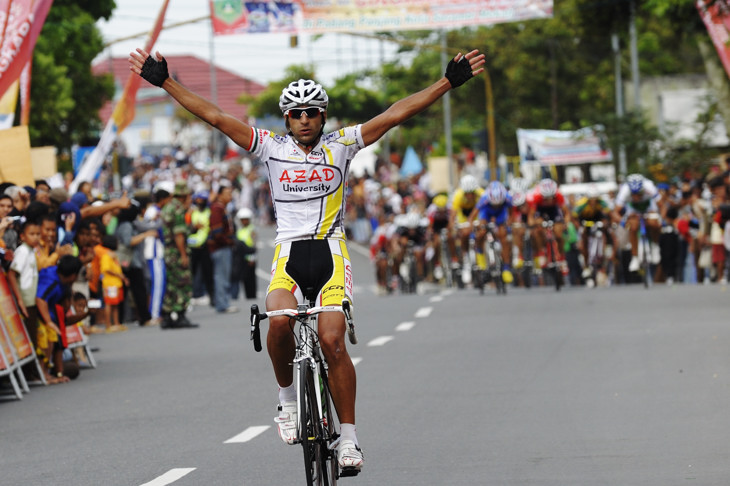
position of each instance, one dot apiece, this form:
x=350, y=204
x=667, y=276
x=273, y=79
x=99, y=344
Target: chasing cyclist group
x=664, y=232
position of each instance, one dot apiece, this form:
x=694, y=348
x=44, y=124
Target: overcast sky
x=260, y=57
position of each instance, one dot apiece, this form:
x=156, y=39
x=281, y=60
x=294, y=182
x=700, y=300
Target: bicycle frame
x=315, y=418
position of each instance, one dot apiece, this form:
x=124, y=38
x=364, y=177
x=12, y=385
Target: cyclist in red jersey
x=547, y=204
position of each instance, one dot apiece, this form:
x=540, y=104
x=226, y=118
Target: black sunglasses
x=311, y=112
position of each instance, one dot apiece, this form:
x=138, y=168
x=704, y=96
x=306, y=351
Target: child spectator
x=93, y=270
x=53, y=283
x=23, y=279
x=112, y=282
x=48, y=252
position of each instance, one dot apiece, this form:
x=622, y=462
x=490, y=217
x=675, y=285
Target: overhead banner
x=717, y=21
x=21, y=22
x=561, y=147
x=320, y=16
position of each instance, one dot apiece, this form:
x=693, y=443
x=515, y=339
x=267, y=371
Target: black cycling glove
x=458, y=73
x=154, y=72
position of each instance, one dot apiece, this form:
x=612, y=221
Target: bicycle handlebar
x=257, y=317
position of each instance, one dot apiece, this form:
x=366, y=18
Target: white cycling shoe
x=634, y=264
x=349, y=457
x=287, y=422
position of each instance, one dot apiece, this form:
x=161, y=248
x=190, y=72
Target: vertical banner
x=21, y=21
x=8, y=102
x=716, y=17
x=122, y=116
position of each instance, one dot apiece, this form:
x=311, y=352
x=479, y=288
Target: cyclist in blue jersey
x=307, y=171
x=494, y=206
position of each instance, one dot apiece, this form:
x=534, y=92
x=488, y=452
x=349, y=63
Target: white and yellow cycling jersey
x=308, y=190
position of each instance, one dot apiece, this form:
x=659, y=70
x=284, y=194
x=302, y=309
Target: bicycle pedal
x=348, y=472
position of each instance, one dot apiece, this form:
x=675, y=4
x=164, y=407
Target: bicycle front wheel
x=306, y=421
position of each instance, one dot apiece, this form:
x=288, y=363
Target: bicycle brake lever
x=348, y=319
x=255, y=330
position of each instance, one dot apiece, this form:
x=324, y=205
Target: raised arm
x=155, y=72
x=460, y=70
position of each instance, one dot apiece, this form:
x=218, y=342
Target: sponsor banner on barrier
x=13, y=323
x=73, y=336
x=6, y=353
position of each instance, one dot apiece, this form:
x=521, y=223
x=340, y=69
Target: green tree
x=65, y=95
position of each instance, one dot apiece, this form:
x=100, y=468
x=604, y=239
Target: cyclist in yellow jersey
x=463, y=202
x=307, y=170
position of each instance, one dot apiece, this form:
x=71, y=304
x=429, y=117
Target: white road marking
x=424, y=312
x=170, y=476
x=248, y=434
x=436, y=298
x=405, y=326
x=355, y=361
x=266, y=276
x=379, y=341
x=357, y=248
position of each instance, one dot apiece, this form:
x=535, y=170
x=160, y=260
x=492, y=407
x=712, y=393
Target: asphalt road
x=619, y=386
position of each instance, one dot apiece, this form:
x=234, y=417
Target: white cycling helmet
x=519, y=184
x=547, y=188
x=244, y=213
x=303, y=92
x=496, y=193
x=593, y=192
x=518, y=198
x=469, y=183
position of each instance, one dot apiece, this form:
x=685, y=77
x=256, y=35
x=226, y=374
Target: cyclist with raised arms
x=464, y=200
x=307, y=171
x=637, y=198
x=495, y=206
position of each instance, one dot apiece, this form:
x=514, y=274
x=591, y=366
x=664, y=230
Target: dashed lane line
x=170, y=476
x=380, y=341
x=405, y=326
x=436, y=298
x=356, y=361
x=424, y=312
x=248, y=434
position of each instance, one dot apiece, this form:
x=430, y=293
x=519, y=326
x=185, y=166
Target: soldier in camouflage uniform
x=179, y=287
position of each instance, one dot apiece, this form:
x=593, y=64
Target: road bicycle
x=493, y=253
x=528, y=259
x=645, y=253
x=554, y=265
x=317, y=419
x=595, y=250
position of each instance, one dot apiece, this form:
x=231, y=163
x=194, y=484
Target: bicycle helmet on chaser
x=519, y=184
x=303, y=92
x=635, y=183
x=496, y=193
x=440, y=201
x=518, y=198
x=469, y=183
x=547, y=188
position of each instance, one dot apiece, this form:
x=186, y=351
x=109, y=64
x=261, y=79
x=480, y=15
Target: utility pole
x=213, y=93
x=447, y=117
x=622, y=169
